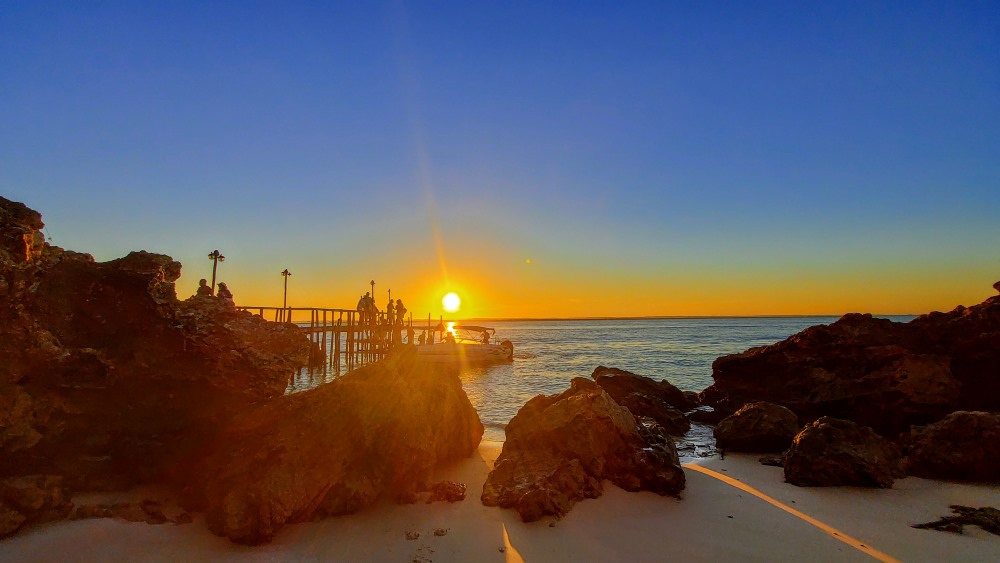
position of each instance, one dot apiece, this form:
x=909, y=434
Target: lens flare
x=451, y=302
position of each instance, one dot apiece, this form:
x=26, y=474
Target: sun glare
x=451, y=302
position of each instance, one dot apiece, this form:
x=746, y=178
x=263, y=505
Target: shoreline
x=712, y=521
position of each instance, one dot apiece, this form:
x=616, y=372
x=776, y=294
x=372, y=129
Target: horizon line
x=655, y=317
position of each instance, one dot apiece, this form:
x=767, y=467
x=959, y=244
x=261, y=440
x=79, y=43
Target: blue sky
x=763, y=149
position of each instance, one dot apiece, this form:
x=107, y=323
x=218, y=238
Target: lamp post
x=215, y=256
x=373, y=289
x=285, y=274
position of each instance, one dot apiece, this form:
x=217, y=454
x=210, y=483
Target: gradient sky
x=541, y=159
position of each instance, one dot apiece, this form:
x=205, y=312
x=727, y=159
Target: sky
x=542, y=159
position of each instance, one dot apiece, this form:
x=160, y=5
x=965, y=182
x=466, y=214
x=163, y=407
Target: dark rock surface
x=873, y=371
x=757, y=427
x=378, y=430
x=108, y=379
x=987, y=518
x=560, y=447
x=644, y=396
x=32, y=499
x=831, y=452
x=146, y=511
x=964, y=445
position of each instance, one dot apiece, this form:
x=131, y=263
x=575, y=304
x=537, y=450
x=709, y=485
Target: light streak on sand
x=512, y=554
x=833, y=532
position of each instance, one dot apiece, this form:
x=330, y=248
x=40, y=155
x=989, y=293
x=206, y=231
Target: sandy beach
x=714, y=521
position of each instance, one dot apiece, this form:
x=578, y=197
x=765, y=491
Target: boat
x=465, y=344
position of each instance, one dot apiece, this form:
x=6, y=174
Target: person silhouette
x=204, y=290
x=400, y=312
x=224, y=292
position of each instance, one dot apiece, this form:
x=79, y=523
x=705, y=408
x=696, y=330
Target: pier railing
x=341, y=336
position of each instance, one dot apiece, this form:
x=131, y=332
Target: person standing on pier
x=400, y=321
x=390, y=319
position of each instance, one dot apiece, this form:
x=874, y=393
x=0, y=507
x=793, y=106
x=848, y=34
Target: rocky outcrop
x=873, y=371
x=378, y=430
x=560, y=447
x=108, y=379
x=644, y=396
x=832, y=452
x=757, y=427
x=21, y=237
x=964, y=445
x=32, y=499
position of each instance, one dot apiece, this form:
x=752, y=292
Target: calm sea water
x=548, y=354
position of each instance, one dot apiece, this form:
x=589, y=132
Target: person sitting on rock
x=203, y=288
x=449, y=337
x=224, y=292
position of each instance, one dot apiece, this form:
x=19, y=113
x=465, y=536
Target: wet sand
x=714, y=521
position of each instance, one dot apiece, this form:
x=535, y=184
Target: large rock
x=32, y=499
x=21, y=236
x=334, y=449
x=964, y=445
x=108, y=379
x=757, y=427
x=560, y=447
x=873, y=371
x=644, y=396
x=832, y=452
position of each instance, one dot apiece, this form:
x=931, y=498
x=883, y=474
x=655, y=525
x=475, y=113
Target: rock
x=21, y=239
x=106, y=377
x=757, y=427
x=147, y=511
x=380, y=429
x=987, y=518
x=560, y=447
x=643, y=396
x=32, y=499
x=441, y=531
x=772, y=460
x=447, y=491
x=964, y=445
x=873, y=371
x=832, y=452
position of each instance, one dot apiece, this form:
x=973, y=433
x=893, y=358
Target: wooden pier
x=342, y=336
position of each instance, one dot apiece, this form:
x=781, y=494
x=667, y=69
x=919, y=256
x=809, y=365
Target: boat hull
x=449, y=353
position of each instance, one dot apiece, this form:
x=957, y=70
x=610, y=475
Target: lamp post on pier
x=285, y=273
x=215, y=256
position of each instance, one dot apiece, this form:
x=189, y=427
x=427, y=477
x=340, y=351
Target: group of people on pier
x=384, y=327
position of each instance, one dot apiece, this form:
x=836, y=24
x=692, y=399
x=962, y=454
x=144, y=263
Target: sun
x=451, y=302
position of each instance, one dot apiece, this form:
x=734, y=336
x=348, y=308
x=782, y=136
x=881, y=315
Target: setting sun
x=451, y=302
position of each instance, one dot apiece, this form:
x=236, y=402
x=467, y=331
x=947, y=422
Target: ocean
x=548, y=354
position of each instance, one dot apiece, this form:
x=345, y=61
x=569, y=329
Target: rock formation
x=964, y=445
x=107, y=379
x=378, y=430
x=873, y=371
x=644, y=396
x=32, y=499
x=757, y=427
x=560, y=447
x=832, y=452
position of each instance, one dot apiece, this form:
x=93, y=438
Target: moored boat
x=466, y=344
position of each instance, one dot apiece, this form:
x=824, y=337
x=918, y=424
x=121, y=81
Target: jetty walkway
x=343, y=336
